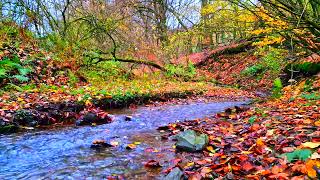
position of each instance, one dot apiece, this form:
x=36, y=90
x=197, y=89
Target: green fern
x=21, y=78
x=3, y=72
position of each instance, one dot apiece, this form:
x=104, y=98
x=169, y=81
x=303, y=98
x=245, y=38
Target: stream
x=65, y=153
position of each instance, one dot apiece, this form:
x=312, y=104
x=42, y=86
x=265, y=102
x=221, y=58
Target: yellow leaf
x=210, y=149
x=132, y=146
x=155, y=150
x=20, y=99
x=189, y=164
x=88, y=103
x=246, y=152
x=311, y=145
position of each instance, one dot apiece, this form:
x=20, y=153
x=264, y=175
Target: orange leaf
x=276, y=170
x=310, y=164
x=260, y=142
x=279, y=176
x=298, y=178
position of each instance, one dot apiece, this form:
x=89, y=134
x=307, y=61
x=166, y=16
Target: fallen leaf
x=288, y=149
x=205, y=170
x=315, y=155
x=152, y=164
x=260, y=142
x=189, y=164
x=299, y=154
x=247, y=166
x=176, y=161
x=210, y=149
x=276, y=170
x=311, y=145
x=300, y=168
x=310, y=165
x=131, y=146
x=280, y=176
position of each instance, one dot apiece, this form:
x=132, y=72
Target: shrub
x=277, y=88
x=271, y=61
x=253, y=70
x=188, y=71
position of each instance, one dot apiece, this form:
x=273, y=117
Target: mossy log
x=230, y=49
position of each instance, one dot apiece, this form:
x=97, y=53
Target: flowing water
x=65, y=153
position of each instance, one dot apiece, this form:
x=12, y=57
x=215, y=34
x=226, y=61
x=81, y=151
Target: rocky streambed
x=66, y=152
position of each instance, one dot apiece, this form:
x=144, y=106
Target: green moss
x=8, y=129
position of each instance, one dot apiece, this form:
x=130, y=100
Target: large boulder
x=190, y=141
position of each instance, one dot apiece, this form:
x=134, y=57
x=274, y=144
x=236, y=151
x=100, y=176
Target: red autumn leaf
x=204, y=161
x=247, y=166
x=280, y=176
x=176, y=161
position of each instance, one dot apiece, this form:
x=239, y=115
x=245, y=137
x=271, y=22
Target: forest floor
x=273, y=139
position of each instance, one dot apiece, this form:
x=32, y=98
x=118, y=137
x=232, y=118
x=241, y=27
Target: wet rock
x=128, y=118
x=175, y=174
x=65, y=107
x=25, y=118
x=44, y=119
x=190, y=141
x=90, y=118
x=98, y=144
x=87, y=119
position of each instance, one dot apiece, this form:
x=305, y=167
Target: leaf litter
x=274, y=139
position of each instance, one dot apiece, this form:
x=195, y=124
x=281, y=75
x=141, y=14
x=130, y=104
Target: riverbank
x=274, y=139
x=50, y=106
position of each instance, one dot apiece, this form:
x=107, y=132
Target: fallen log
x=229, y=49
x=135, y=61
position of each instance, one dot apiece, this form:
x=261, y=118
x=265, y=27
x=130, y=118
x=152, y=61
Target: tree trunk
x=160, y=9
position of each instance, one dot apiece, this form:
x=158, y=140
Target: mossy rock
x=306, y=68
x=8, y=129
x=190, y=141
x=25, y=118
